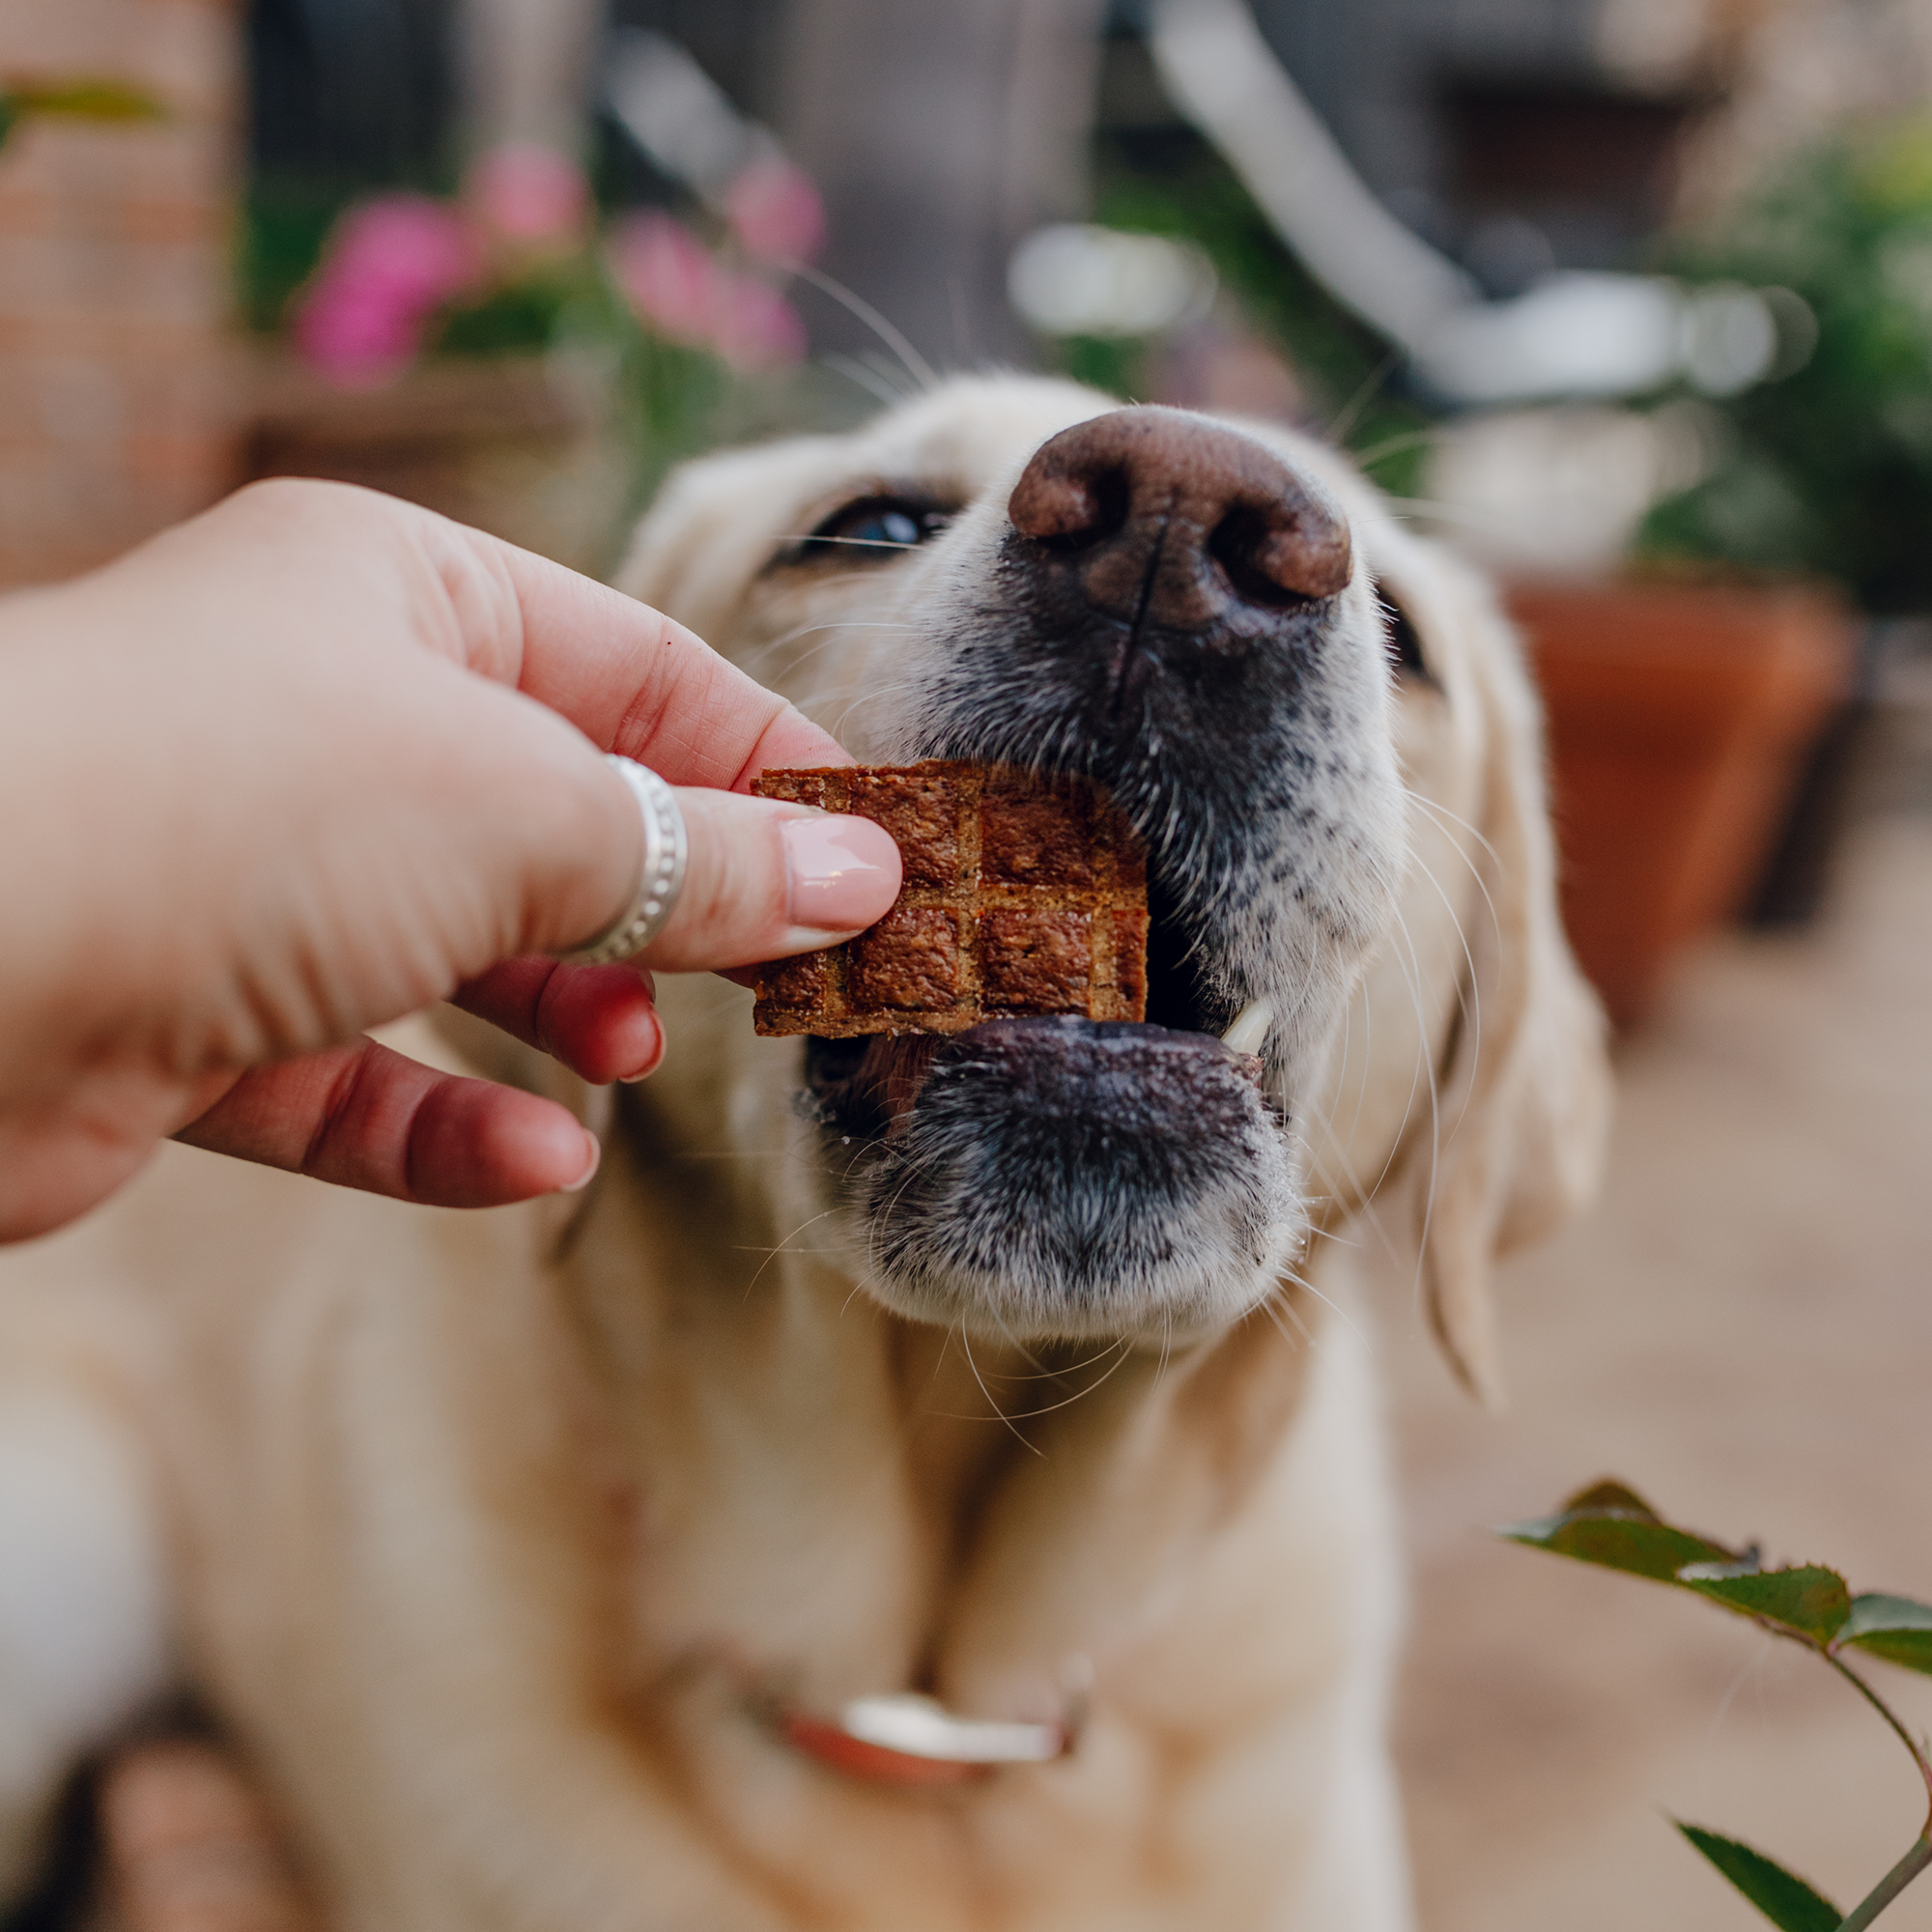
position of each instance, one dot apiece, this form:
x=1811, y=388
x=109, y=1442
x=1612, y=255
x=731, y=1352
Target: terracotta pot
x=1680, y=717
x=521, y=446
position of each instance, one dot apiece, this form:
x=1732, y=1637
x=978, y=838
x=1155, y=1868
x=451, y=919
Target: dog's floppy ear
x=1525, y=1090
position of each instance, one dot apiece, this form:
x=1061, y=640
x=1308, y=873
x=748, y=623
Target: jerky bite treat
x=1021, y=895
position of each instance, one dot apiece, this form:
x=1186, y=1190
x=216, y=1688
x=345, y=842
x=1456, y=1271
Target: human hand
x=317, y=759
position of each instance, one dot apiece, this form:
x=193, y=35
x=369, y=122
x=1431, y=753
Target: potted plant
x=512, y=358
x=1681, y=714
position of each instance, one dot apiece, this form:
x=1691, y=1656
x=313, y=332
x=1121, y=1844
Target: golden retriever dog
x=922, y=1486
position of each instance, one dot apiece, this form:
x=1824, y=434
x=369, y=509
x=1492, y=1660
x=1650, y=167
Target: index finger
x=636, y=682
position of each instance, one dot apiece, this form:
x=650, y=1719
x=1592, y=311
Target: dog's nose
x=1174, y=518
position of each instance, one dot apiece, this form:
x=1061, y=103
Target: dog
x=920, y=1485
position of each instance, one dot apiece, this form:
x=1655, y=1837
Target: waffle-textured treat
x=1021, y=895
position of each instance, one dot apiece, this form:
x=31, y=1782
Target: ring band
x=659, y=880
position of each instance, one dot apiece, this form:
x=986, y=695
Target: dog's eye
x=1404, y=646
x=874, y=527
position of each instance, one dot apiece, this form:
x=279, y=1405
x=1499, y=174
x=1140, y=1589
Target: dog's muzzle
x=1059, y=1177
x=1162, y=614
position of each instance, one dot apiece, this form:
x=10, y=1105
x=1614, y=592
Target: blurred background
x=1630, y=299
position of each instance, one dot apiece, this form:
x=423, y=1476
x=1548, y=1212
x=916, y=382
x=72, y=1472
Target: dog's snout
x=1165, y=516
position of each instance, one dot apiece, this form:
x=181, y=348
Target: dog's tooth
x=1250, y=1030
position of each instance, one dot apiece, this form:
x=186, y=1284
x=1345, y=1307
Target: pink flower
x=756, y=327
x=775, y=210
x=680, y=290
x=527, y=193
x=391, y=264
x=669, y=276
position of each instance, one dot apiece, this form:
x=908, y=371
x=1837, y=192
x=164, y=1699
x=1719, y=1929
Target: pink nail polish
x=845, y=872
x=650, y=1065
x=589, y=1173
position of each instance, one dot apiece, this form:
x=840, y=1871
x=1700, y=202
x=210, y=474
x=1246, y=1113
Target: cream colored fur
x=491, y=1537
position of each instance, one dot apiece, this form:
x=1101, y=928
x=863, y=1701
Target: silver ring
x=659, y=880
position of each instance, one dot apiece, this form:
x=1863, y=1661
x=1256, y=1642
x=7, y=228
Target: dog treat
x=1021, y=895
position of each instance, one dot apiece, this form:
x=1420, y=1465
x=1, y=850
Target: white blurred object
x=1075, y=278
x=1224, y=77
x=1654, y=43
x=1560, y=491
x=1594, y=336
x=681, y=119
x=1571, y=335
x=918, y=1726
x=1728, y=336
x=1576, y=335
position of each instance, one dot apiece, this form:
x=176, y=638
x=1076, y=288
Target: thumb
x=765, y=879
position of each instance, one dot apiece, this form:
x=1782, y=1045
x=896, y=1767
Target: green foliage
x=1610, y=1525
x=1893, y=1628
x=1192, y=195
x=1613, y=1527
x=284, y=222
x=1115, y=363
x=519, y=316
x=1806, y=1601
x=1783, y=1897
x=85, y=99
x=1830, y=468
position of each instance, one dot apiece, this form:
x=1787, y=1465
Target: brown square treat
x=803, y=787
x=798, y=981
x=909, y=961
x=1128, y=929
x=1021, y=895
x=1036, y=962
x=922, y=815
x=1032, y=838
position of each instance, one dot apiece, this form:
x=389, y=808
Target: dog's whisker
x=856, y=305
x=966, y=1342
x=1327, y=1301
x=860, y=543
x=1468, y=990
x=836, y=629
x=1475, y=870
x=1080, y=1395
x=773, y=1254
x=864, y=377
x=1280, y=1305
x=1413, y=982
x=1365, y=394
x=1044, y=1374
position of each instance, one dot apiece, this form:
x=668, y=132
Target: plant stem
x=1890, y=1885
x=1886, y=1712
x=1920, y=1856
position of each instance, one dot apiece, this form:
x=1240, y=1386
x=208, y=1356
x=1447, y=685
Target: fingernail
x=845, y=872
x=650, y=1064
x=589, y=1172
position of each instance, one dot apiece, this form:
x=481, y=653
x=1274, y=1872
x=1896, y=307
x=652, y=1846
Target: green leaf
x=1611, y=1524
x=1610, y=1494
x=1893, y=1628
x=1807, y=1600
x=1784, y=1898
x=84, y=99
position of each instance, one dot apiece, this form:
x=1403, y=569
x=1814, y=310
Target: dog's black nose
x=1169, y=518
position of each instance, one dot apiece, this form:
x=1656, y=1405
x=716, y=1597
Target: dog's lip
x=897, y=1066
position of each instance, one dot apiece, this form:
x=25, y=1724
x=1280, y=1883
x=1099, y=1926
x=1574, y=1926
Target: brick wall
x=119, y=397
